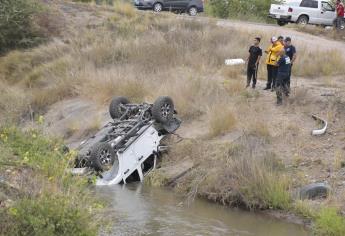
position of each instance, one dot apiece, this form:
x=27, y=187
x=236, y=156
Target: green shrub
x=329, y=223
x=35, y=150
x=52, y=202
x=17, y=27
x=48, y=215
x=239, y=9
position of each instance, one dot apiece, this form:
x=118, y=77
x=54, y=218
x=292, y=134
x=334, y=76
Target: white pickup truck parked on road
x=318, y=12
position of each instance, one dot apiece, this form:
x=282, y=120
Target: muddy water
x=141, y=210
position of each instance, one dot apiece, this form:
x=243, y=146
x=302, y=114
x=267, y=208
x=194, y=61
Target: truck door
x=327, y=14
x=310, y=8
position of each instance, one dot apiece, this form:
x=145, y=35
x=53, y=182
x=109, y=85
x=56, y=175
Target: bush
x=52, y=201
x=48, y=215
x=17, y=28
x=239, y=8
x=330, y=223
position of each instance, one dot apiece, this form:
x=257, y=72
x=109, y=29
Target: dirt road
x=312, y=41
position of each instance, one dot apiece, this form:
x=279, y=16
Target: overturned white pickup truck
x=127, y=147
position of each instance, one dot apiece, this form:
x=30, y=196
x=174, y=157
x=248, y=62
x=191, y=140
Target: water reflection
x=142, y=210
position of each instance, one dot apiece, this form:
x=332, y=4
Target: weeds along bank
x=119, y=51
x=37, y=195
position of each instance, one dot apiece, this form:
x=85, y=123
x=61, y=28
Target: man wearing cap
x=255, y=53
x=271, y=61
x=290, y=51
x=283, y=64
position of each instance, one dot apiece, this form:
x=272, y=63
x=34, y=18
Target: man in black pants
x=284, y=69
x=271, y=61
x=253, y=59
x=291, y=53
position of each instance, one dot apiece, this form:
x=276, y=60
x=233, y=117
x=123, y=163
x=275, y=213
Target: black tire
x=303, y=20
x=157, y=7
x=163, y=109
x=115, y=110
x=102, y=157
x=316, y=190
x=281, y=23
x=192, y=11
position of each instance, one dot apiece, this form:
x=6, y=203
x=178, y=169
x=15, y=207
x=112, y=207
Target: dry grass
x=321, y=31
x=259, y=129
x=319, y=65
x=241, y=173
x=221, y=120
x=141, y=56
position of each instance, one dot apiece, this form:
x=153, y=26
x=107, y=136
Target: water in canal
x=143, y=210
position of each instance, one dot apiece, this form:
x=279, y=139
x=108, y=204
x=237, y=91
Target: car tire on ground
x=157, y=7
x=163, y=109
x=281, y=23
x=303, y=20
x=115, y=107
x=192, y=11
x=102, y=156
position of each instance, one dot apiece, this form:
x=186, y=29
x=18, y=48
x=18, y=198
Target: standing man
x=290, y=51
x=340, y=14
x=255, y=53
x=282, y=76
x=271, y=61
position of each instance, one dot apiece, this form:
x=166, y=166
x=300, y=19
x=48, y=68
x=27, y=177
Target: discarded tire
x=312, y=191
x=102, y=156
x=163, y=109
x=115, y=109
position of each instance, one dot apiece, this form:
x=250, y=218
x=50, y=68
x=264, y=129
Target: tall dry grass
x=242, y=173
x=141, y=56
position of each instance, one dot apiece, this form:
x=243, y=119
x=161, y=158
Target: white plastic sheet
x=232, y=62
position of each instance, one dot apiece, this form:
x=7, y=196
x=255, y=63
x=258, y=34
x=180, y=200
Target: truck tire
x=157, y=7
x=192, y=11
x=102, y=156
x=163, y=109
x=316, y=190
x=281, y=23
x=303, y=20
x=115, y=110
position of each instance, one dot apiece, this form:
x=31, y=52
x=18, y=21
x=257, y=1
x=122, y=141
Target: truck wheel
x=157, y=7
x=163, y=109
x=303, y=20
x=102, y=156
x=192, y=11
x=115, y=109
x=281, y=23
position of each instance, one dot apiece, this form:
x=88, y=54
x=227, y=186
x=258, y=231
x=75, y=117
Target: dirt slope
x=311, y=158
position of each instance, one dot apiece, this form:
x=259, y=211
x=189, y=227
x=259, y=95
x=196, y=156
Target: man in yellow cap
x=272, y=58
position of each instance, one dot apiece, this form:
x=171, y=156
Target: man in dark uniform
x=284, y=68
x=255, y=53
x=290, y=51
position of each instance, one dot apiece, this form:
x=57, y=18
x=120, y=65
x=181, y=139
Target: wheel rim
x=158, y=7
x=193, y=11
x=165, y=110
x=303, y=21
x=105, y=159
x=121, y=109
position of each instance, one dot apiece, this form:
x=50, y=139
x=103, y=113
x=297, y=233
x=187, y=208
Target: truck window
x=327, y=7
x=309, y=4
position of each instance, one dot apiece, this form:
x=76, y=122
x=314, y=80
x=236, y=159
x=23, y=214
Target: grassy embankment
x=142, y=56
x=38, y=195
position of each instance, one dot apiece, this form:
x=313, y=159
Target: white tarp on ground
x=232, y=62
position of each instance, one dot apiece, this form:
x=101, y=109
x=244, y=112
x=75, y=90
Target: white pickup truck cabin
x=317, y=12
